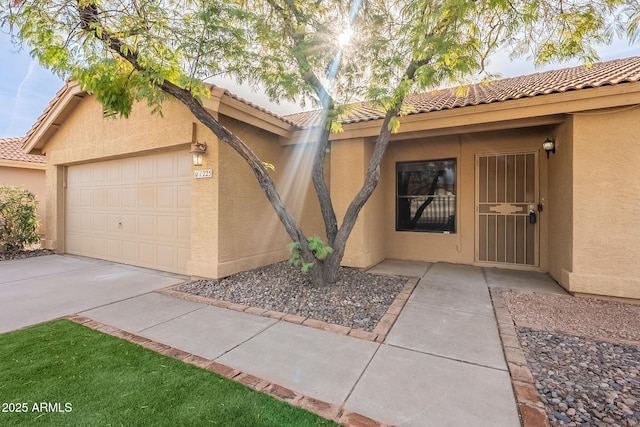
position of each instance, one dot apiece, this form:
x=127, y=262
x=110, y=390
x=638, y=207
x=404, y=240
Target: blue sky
x=26, y=88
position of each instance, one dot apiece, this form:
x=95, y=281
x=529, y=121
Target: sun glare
x=345, y=38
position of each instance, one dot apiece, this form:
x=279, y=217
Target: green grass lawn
x=85, y=377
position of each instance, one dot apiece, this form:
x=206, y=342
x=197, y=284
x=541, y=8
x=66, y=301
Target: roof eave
x=47, y=125
x=516, y=112
x=18, y=164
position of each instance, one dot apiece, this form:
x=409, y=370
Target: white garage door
x=134, y=210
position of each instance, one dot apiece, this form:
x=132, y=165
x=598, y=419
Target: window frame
x=448, y=227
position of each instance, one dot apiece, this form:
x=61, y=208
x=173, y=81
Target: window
x=426, y=196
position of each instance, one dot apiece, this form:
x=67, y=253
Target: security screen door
x=506, y=209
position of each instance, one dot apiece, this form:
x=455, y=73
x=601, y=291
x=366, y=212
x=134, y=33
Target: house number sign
x=203, y=173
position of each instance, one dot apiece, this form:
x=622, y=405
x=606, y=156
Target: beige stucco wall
x=33, y=180
x=606, y=179
x=559, y=207
x=86, y=136
x=349, y=162
x=249, y=232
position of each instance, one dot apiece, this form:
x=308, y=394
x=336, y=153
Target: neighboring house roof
x=11, y=150
x=557, y=81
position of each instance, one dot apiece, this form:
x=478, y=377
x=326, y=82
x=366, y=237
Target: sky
x=26, y=88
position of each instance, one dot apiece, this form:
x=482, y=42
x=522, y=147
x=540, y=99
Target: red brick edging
x=324, y=409
x=378, y=335
x=531, y=409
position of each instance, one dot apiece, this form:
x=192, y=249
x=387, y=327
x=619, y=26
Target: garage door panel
x=84, y=197
x=99, y=223
x=100, y=247
x=147, y=225
x=146, y=197
x=147, y=169
x=184, y=229
x=147, y=253
x=166, y=197
x=113, y=224
x=167, y=255
x=130, y=251
x=114, y=170
x=99, y=198
x=129, y=224
x=167, y=227
x=129, y=171
x=134, y=210
x=184, y=254
x=129, y=197
x=184, y=197
x=114, y=249
x=113, y=197
x=183, y=165
x=99, y=173
x=166, y=167
x=81, y=220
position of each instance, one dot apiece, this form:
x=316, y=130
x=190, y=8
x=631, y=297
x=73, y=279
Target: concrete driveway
x=35, y=290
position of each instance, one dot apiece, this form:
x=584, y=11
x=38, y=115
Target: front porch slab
x=433, y=391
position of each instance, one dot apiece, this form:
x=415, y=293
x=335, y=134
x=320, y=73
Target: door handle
x=533, y=218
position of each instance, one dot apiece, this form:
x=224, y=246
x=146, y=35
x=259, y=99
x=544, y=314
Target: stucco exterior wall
x=349, y=162
x=86, y=136
x=33, y=180
x=249, y=232
x=457, y=247
x=559, y=207
x=606, y=178
x=205, y=211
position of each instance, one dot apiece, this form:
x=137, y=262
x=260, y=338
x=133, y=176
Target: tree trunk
x=320, y=185
x=259, y=170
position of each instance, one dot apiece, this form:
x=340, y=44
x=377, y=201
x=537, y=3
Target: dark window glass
x=426, y=196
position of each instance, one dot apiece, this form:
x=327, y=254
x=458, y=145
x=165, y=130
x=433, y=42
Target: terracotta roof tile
x=544, y=83
x=556, y=81
x=46, y=111
x=11, y=149
x=285, y=119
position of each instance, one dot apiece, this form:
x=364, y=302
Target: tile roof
x=45, y=113
x=69, y=83
x=232, y=95
x=11, y=149
x=556, y=81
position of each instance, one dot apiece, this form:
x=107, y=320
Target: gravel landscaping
x=5, y=256
x=357, y=300
x=584, y=355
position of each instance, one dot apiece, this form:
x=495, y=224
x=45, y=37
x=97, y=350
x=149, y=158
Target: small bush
x=19, y=224
x=318, y=248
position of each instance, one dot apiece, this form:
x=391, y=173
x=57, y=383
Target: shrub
x=318, y=248
x=19, y=224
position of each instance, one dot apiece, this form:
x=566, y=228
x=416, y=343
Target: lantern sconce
x=197, y=151
x=549, y=146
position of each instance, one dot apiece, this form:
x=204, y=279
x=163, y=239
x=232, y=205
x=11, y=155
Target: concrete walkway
x=34, y=290
x=441, y=364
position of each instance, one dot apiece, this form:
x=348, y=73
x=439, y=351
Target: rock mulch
x=5, y=256
x=357, y=300
x=582, y=381
x=584, y=355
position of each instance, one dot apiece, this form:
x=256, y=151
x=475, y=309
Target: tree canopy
x=127, y=51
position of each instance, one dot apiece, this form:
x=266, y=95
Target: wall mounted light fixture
x=549, y=146
x=197, y=151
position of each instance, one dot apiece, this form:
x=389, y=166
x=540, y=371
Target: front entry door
x=506, y=209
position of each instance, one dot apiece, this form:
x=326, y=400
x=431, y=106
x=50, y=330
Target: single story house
x=539, y=172
x=24, y=170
